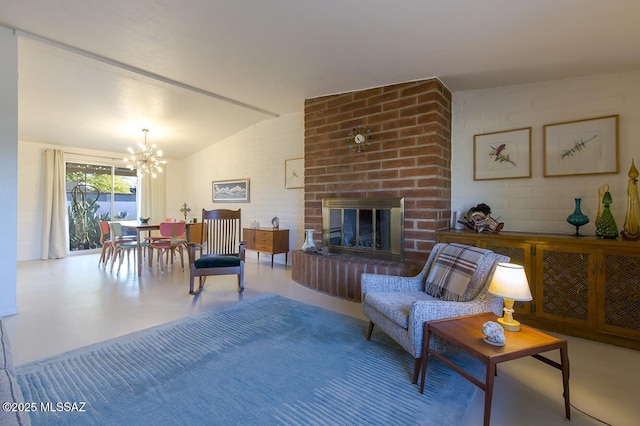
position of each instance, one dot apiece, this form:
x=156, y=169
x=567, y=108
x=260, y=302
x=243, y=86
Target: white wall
x=258, y=153
x=8, y=169
x=542, y=204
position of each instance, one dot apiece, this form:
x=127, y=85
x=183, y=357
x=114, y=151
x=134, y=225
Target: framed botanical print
x=502, y=155
x=581, y=147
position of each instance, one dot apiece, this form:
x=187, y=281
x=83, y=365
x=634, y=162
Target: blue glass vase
x=576, y=218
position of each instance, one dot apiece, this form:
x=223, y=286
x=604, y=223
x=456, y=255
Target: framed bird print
x=294, y=173
x=502, y=155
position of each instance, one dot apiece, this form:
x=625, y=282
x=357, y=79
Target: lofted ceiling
x=93, y=73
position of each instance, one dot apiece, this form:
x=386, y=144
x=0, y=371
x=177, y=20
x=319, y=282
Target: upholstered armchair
x=399, y=306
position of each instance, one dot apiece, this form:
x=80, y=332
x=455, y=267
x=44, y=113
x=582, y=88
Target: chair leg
x=416, y=370
x=116, y=253
x=150, y=256
x=181, y=256
x=370, y=330
x=191, y=279
x=241, y=281
x=120, y=263
x=103, y=254
x=164, y=264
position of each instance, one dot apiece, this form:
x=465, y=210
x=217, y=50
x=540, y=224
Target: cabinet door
x=566, y=284
x=619, y=291
x=520, y=253
x=281, y=241
x=249, y=237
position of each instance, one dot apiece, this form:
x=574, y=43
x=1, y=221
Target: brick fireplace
x=409, y=157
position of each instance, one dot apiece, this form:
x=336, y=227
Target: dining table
x=140, y=228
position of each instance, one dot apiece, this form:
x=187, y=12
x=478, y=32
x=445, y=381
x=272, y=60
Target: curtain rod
x=93, y=156
x=136, y=70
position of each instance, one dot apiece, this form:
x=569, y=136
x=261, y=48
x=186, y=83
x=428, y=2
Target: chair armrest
x=389, y=283
x=428, y=310
x=241, y=251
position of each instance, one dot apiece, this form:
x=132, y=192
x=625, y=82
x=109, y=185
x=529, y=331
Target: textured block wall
x=409, y=155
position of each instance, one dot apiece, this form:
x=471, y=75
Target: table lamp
x=510, y=282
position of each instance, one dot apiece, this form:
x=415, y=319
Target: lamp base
x=512, y=325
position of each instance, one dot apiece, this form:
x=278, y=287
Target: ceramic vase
x=576, y=218
x=308, y=242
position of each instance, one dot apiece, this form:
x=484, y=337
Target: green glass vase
x=606, y=225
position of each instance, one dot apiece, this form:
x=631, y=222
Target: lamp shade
x=510, y=282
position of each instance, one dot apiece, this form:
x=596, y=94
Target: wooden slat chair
x=223, y=252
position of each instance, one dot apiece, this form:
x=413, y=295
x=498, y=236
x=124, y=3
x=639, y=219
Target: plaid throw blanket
x=451, y=271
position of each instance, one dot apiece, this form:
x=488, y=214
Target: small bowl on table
x=144, y=219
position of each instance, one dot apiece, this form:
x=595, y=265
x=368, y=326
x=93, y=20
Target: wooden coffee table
x=466, y=333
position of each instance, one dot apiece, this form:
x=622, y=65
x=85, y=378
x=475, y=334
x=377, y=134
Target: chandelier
x=145, y=159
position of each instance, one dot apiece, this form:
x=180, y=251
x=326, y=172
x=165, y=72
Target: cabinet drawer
x=264, y=247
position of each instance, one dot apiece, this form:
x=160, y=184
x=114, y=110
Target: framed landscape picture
x=231, y=191
x=581, y=147
x=502, y=155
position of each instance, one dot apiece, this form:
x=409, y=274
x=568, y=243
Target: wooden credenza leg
x=564, y=360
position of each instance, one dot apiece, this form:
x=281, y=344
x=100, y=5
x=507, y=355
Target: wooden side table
x=466, y=333
x=273, y=241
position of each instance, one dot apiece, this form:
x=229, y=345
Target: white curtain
x=55, y=238
x=152, y=197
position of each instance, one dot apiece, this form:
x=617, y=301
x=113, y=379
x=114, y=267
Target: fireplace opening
x=363, y=226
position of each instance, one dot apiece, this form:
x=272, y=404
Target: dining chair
x=105, y=240
x=122, y=245
x=172, y=239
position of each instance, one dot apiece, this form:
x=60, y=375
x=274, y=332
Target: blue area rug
x=264, y=361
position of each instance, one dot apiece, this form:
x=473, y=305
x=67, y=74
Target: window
x=97, y=192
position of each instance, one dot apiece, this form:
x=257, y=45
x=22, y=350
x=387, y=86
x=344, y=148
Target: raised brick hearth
x=339, y=275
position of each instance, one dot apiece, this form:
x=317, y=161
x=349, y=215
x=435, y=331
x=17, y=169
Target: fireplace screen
x=367, y=227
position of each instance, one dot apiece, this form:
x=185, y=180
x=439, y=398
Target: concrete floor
x=69, y=303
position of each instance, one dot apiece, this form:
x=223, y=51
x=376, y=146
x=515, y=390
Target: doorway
x=97, y=192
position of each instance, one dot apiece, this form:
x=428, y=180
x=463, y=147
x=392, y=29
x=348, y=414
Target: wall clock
x=358, y=138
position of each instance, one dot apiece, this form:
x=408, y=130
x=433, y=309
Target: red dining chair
x=105, y=240
x=172, y=239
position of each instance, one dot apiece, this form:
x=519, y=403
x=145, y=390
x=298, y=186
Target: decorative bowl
x=144, y=219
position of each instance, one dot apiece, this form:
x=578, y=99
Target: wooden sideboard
x=266, y=240
x=581, y=286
